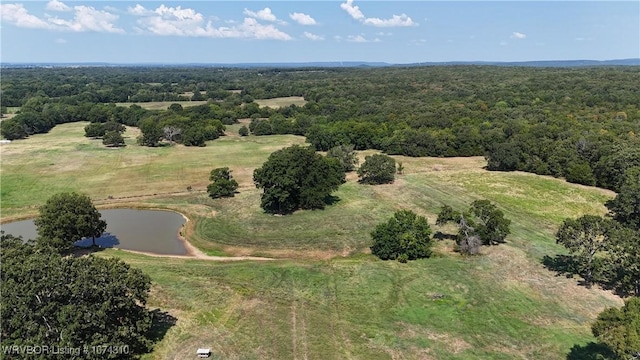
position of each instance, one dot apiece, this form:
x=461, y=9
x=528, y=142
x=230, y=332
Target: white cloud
x=16, y=14
x=139, y=10
x=252, y=29
x=517, y=35
x=382, y=33
x=352, y=10
x=55, y=5
x=264, y=14
x=394, y=21
x=302, y=19
x=61, y=41
x=313, y=37
x=356, y=38
x=86, y=18
x=168, y=21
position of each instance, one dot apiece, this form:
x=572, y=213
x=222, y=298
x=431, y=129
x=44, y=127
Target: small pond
x=153, y=231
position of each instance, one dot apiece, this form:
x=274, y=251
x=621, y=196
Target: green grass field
x=281, y=101
x=326, y=298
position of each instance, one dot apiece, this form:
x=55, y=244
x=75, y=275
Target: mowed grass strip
x=362, y=308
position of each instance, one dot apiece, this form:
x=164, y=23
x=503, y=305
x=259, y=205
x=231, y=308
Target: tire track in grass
x=294, y=330
x=341, y=342
x=303, y=326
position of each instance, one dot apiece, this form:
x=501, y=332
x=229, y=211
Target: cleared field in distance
x=317, y=303
x=281, y=101
x=163, y=105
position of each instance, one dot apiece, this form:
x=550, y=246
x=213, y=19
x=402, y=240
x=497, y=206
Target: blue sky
x=306, y=31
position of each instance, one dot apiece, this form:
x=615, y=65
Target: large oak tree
x=297, y=178
x=66, y=218
x=72, y=302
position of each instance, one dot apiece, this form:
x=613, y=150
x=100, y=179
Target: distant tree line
x=580, y=124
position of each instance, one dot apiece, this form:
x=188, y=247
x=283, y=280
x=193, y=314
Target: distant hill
x=542, y=63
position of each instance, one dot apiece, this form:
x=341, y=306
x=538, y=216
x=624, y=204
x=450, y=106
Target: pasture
x=281, y=101
x=325, y=297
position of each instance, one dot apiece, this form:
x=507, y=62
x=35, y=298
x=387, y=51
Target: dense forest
x=576, y=123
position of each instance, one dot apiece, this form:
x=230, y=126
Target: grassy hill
x=326, y=298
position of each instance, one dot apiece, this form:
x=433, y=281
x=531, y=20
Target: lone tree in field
x=491, y=224
x=467, y=239
x=619, y=329
x=94, y=130
x=377, y=169
x=345, y=155
x=297, y=178
x=66, y=218
x=113, y=139
x=406, y=236
x=482, y=224
x=244, y=131
x=73, y=302
x=222, y=183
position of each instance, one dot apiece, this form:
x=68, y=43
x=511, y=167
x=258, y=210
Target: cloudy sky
x=304, y=31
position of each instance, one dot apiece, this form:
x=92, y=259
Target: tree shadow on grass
x=566, y=265
x=162, y=321
x=590, y=351
x=331, y=200
x=442, y=236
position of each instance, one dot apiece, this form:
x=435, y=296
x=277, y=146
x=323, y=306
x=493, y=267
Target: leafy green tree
x=624, y=252
x=297, y=178
x=194, y=136
x=345, y=155
x=377, y=169
x=491, y=225
x=67, y=301
x=619, y=329
x=447, y=214
x=406, y=236
x=175, y=108
x=13, y=129
x=580, y=173
x=113, y=139
x=586, y=238
x=262, y=127
x=244, y=131
x=94, y=130
x=66, y=218
x=151, y=132
x=114, y=126
x=625, y=208
x=222, y=183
